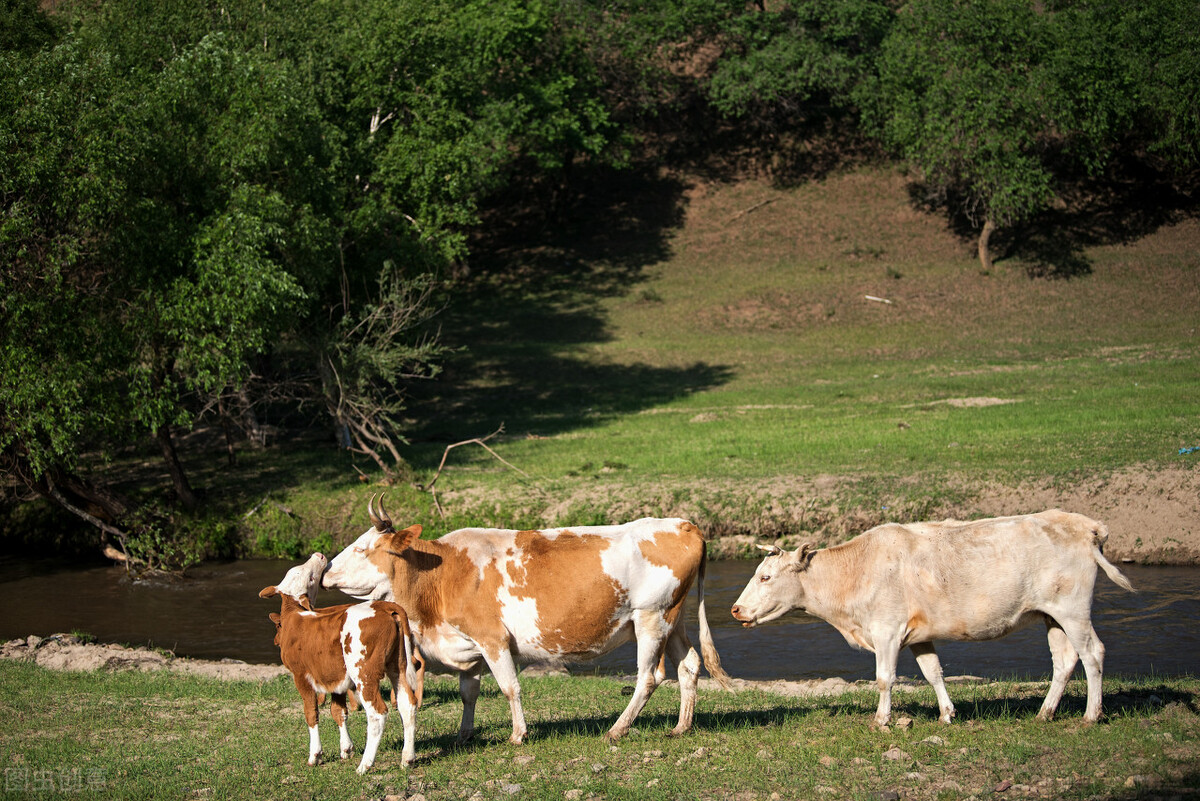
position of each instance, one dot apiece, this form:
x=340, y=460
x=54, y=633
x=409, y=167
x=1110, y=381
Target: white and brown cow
x=909, y=585
x=499, y=598
x=342, y=648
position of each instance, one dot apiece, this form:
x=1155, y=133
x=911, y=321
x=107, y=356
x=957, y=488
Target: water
x=216, y=613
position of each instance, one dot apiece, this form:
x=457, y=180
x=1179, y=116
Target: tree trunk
x=985, y=255
x=183, y=490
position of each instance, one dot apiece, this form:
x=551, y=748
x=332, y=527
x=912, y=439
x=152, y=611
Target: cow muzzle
x=740, y=614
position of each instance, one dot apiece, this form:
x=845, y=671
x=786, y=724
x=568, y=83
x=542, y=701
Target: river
x=216, y=613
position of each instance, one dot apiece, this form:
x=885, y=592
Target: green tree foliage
x=798, y=52
x=1155, y=45
x=191, y=188
x=966, y=93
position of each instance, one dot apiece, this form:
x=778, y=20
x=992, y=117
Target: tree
x=965, y=93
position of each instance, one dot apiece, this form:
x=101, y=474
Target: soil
x=1153, y=515
x=68, y=652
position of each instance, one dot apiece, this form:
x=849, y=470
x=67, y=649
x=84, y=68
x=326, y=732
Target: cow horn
x=773, y=550
x=385, y=519
x=375, y=521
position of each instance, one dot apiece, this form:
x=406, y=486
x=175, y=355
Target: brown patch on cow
x=680, y=551
x=916, y=627
x=577, y=601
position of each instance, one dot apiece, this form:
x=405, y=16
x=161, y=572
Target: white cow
x=496, y=598
x=898, y=585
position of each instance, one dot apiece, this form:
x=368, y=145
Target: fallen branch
x=755, y=207
x=481, y=442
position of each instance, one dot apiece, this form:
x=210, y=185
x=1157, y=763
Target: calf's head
x=365, y=569
x=301, y=582
x=776, y=587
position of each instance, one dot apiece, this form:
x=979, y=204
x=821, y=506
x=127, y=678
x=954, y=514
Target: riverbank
x=1153, y=515
x=67, y=652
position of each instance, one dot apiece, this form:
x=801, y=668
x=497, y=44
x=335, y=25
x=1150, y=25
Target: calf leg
x=468, y=691
x=408, y=715
x=308, y=696
x=1063, y=655
x=931, y=669
x=376, y=709
x=504, y=669
x=652, y=632
x=337, y=704
x=688, y=662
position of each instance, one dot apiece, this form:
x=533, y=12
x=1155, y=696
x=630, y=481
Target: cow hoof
x=361, y=769
x=613, y=736
x=678, y=732
x=314, y=760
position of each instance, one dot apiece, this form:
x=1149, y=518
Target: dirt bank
x=67, y=652
x=1153, y=515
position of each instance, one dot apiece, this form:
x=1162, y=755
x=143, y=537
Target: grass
x=159, y=735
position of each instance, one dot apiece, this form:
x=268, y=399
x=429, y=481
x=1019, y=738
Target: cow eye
x=764, y=578
x=358, y=549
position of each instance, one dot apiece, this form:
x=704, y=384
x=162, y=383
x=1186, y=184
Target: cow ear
x=274, y=618
x=304, y=602
x=268, y=592
x=404, y=539
x=804, y=555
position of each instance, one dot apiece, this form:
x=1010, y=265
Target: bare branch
x=481, y=442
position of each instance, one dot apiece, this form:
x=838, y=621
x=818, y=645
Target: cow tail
x=1099, y=537
x=707, y=648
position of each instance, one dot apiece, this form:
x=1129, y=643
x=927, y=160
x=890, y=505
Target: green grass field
x=161, y=735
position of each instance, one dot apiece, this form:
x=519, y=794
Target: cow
x=909, y=585
x=342, y=648
x=499, y=598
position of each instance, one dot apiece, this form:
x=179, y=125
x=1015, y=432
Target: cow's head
x=366, y=567
x=775, y=588
x=301, y=582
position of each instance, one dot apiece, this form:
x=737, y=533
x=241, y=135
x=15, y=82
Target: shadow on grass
x=1144, y=701
x=522, y=319
x=1131, y=200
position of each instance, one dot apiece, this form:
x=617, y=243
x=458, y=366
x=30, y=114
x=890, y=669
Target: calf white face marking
x=304, y=579
x=352, y=571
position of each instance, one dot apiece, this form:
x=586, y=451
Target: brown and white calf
x=342, y=648
x=909, y=585
x=495, y=597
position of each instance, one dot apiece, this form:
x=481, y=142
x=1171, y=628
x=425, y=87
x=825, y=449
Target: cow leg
x=688, y=661
x=504, y=669
x=931, y=669
x=1083, y=639
x=376, y=709
x=887, y=653
x=468, y=691
x=337, y=704
x=1063, y=655
x=652, y=633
